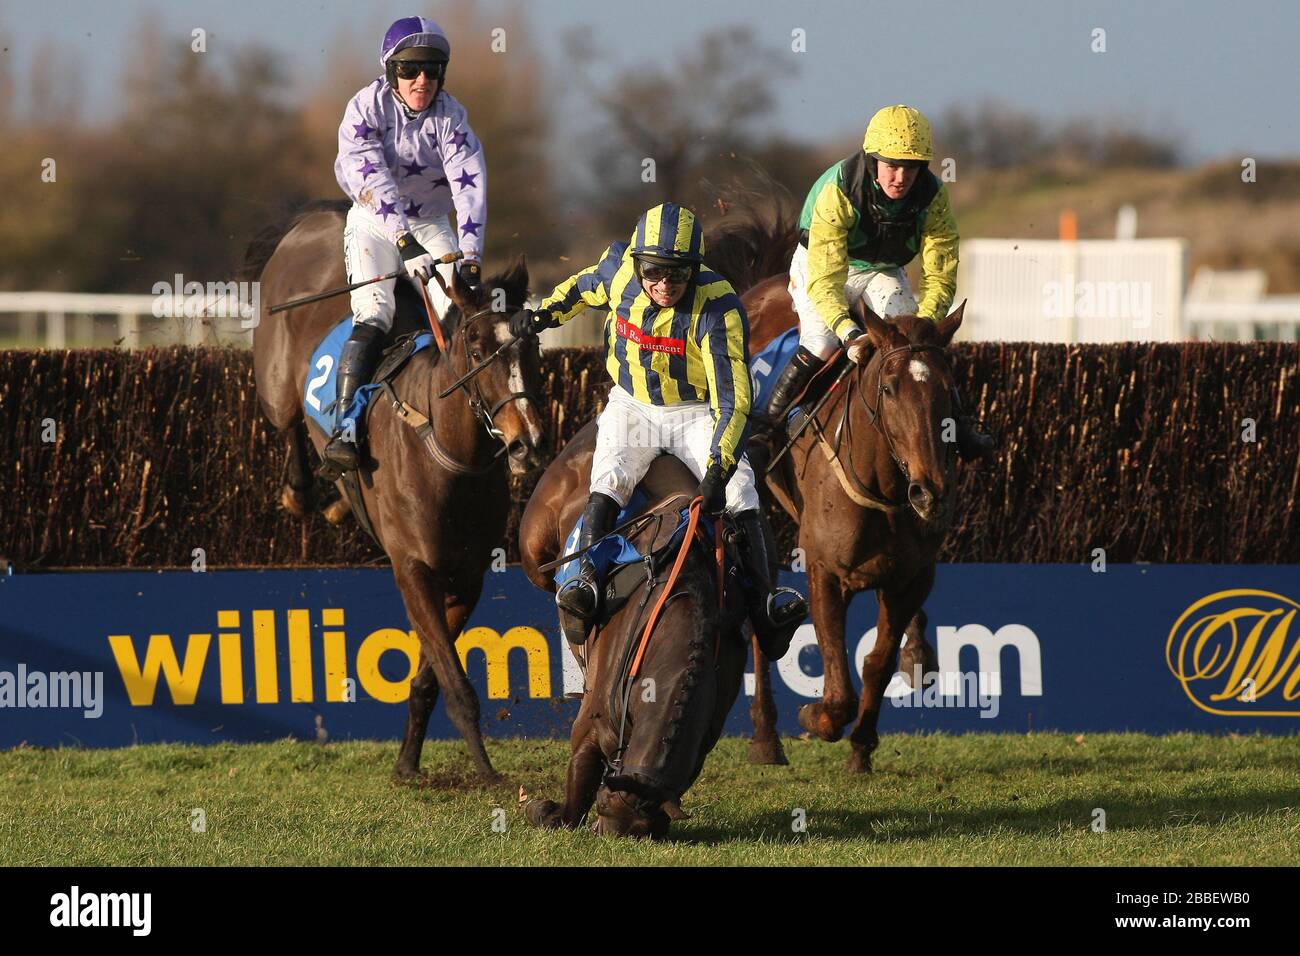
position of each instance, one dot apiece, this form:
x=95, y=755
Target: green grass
x=937, y=800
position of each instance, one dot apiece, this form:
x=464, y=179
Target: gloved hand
x=526, y=323
x=419, y=263
x=470, y=274
x=858, y=347
x=713, y=489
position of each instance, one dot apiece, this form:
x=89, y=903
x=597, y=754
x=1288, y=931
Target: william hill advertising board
x=110, y=659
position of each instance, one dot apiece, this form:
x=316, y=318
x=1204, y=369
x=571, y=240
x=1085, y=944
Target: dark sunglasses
x=677, y=275
x=410, y=69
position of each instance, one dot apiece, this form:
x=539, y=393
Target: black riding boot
x=356, y=363
x=972, y=444
x=581, y=595
x=774, y=611
x=793, y=380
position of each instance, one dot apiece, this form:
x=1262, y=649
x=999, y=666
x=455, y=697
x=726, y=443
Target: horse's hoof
x=337, y=510
x=293, y=501
x=674, y=810
x=814, y=719
x=859, y=762
x=409, y=775
x=767, y=752
x=541, y=813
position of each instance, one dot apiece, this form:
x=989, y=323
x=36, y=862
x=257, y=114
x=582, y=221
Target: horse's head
x=508, y=387
x=910, y=386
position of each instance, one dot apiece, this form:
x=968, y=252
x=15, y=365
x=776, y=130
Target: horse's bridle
x=876, y=415
x=477, y=403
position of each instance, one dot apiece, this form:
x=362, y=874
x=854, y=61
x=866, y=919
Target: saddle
x=626, y=568
x=396, y=354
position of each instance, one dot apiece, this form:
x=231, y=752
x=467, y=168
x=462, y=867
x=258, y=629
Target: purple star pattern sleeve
x=466, y=173
x=362, y=168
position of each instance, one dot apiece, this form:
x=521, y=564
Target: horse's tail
x=263, y=245
x=754, y=238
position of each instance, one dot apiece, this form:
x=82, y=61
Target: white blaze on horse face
x=517, y=378
x=920, y=371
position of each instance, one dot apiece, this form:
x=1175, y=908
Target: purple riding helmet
x=413, y=38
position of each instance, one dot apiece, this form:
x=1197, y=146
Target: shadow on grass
x=1123, y=815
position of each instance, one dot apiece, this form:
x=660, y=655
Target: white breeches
x=368, y=251
x=631, y=434
x=886, y=291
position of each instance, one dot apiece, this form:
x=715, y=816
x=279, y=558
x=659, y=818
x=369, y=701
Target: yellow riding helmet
x=899, y=133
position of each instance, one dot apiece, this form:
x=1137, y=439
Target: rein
x=631, y=665
x=853, y=486
x=477, y=403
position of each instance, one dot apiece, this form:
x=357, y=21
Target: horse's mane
x=755, y=237
x=263, y=245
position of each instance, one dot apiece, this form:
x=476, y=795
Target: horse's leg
x=424, y=695
x=294, y=494
x=339, y=508
x=826, y=717
x=582, y=781
x=896, y=611
x=766, y=747
x=425, y=600
x=917, y=652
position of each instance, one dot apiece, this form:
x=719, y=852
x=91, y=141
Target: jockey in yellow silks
x=676, y=347
x=864, y=219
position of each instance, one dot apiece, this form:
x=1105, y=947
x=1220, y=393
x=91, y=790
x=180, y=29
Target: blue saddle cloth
x=766, y=367
x=320, y=393
x=614, y=551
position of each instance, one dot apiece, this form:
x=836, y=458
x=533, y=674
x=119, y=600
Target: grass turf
x=935, y=800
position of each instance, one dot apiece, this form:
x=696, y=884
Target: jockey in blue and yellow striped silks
x=694, y=351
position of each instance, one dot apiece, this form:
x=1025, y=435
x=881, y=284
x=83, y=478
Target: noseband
x=876, y=415
x=477, y=403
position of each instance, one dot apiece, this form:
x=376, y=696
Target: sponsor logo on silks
x=1237, y=653
x=76, y=908
x=342, y=667
x=655, y=343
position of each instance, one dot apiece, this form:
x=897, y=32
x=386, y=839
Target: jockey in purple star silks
x=407, y=157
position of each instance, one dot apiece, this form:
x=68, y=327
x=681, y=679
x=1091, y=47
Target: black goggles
x=410, y=69
x=676, y=275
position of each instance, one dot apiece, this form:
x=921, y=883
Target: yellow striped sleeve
x=726, y=368
x=587, y=289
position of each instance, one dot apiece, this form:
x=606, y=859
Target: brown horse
x=438, y=520
x=639, y=742
x=872, y=484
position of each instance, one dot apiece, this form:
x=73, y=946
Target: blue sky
x=1222, y=75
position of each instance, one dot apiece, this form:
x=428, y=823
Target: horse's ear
x=515, y=279
x=948, y=327
x=878, y=330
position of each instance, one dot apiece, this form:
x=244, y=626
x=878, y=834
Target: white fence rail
x=1017, y=290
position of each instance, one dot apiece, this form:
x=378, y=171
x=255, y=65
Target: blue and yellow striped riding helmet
x=668, y=234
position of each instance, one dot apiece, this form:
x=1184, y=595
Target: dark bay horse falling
x=694, y=658
x=437, y=521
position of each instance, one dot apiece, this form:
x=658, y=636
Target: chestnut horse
x=438, y=520
x=873, y=513
x=640, y=739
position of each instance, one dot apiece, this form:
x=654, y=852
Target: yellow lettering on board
x=159, y=656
